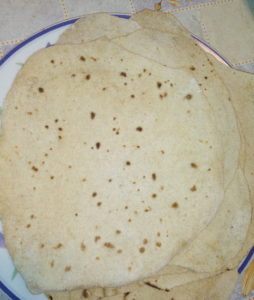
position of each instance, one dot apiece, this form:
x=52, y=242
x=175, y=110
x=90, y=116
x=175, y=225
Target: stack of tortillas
x=125, y=163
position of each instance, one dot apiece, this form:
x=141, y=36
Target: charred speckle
x=175, y=205
x=118, y=231
x=67, y=268
x=60, y=129
x=193, y=165
x=58, y=246
x=159, y=84
x=88, y=77
x=193, y=188
x=35, y=169
x=97, y=238
x=60, y=137
x=206, y=77
x=104, y=89
x=109, y=245
x=76, y=214
x=99, y=203
x=139, y=128
x=41, y=90
x=158, y=244
x=142, y=250
x=154, y=195
x=52, y=61
x=42, y=245
x=154, y=176
x=46, y=126
x=82, y=246
x=123, y=74
x=188, y=96
x=98, y=145
x=92, y=115
x=128, y=163
x=85, y=294
x=94, y=194
x=51, y=177
x=73, y=75
x=56, y=120
x=82, y=58
x=192, y=68
x=28, y=225
x=132, y=96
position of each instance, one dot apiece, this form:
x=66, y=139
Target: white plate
x=11, y=283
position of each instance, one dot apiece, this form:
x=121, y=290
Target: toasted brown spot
x=154, y=195
x=58, y=246
x=97, y=238
x=104, y=89
x=159, y=84
x=85, y=294
x=92, y=115
x=209, y=169
x=188, y=96
x=29, y=113
x=128, y=163
x=46, y=126
x=60, y=128
x=126, y=207
x=158, y=244
x=60, y=137
x=94, y=194
x=28, y=225
x=109, y=245
x=175, y=205
x=206, y=77
x=132, y=96
x=56, y=120
x=35, y=169
x=88, y=77
x=193, y=188
x=52, y=263
x=99, y=203
x=51, y=177
x=145, y=241
x=67, y=268
x=118, y=231
x=32, y=217
x=110, y=180
x=193, y=165
x=123, y=74
x=139, y=128
x=50, y=297
x=76, y=214
x=82, y=58
x=129, y=220
x=97, y=258
x=41, y=90
x=98, y=145
x=192, y=68
x=129, y=268
x=52, y=61
x=158, y=234
x=82, y=246
x=142, y=250
x=73, y=75
x=83, y=179
x=119, y=251
x=154, y=176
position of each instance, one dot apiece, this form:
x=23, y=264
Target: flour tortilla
x=163, y=30
x=93, y=170
x=97, y=26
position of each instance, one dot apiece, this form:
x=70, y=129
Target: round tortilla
x=105, y=151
